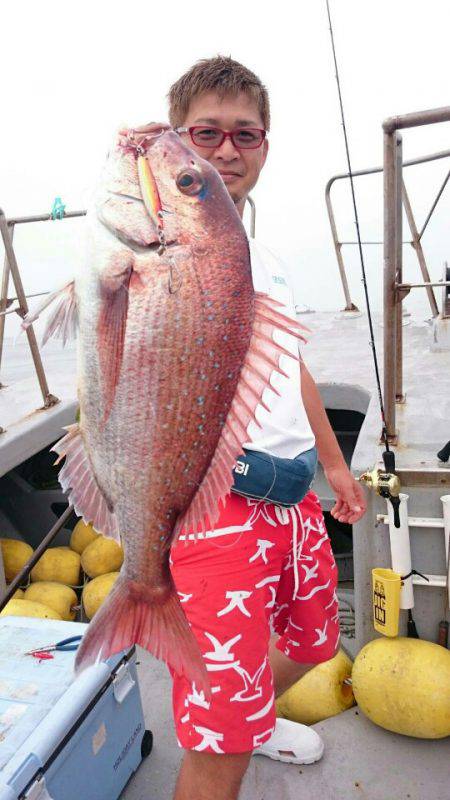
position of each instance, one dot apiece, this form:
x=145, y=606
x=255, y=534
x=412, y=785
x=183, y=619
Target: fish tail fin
x=153, y=619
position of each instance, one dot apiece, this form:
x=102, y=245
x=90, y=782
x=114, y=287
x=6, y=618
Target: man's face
x=239, y=168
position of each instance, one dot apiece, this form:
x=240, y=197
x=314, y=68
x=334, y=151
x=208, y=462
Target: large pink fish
x=175, y=351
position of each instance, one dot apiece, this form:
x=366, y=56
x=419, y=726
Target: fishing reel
x=386, y=483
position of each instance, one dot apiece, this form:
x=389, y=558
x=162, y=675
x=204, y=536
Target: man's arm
x=350, y=503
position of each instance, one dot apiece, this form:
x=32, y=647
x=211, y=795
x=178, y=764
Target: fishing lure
x=147, y=182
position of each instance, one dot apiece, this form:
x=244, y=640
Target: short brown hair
x=220, y=74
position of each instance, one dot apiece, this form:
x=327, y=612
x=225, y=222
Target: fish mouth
x=122, y=236
x=143, y=248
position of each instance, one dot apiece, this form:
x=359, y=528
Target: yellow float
x=15, y=555
x=26, y=608
x=96, y=591
x=101, y=556
x=54, y=595
x=403, y=685
x=59, y=564
x=82, y=535
x=320, y=694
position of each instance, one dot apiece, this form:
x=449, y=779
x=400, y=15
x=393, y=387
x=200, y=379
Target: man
x=263, y=563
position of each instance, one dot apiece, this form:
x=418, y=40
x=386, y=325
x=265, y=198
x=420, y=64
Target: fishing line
x=363, y=270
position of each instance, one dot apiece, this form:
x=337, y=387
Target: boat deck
x=361, y=760
x=28, y=427
x=339, y=357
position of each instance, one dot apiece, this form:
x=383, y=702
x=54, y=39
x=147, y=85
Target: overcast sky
x=72, y=72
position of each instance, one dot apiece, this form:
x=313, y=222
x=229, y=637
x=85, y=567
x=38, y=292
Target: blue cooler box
x=61, y=737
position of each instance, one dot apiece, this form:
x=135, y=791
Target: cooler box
x=61, y=737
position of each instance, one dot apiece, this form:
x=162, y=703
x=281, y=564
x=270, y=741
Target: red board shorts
x=236, y=587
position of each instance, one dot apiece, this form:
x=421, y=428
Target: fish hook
x=174, y=281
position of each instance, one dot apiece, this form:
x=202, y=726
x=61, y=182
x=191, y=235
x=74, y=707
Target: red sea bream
x=175, y=351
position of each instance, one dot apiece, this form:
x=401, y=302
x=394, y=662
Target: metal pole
x=357, y=173
x=45, y=217
x=438, y=197
x=398, y=298
x=390, y=253
x=49, y=399
x=417, y=118
x=4, y=297
x=349, y=306
x=373, y=170
x=406, y=287
x=417, y=245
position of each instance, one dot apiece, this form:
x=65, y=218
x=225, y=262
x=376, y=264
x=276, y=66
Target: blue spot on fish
x=204, y=192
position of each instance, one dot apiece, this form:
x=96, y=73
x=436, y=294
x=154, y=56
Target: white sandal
x=292, y=743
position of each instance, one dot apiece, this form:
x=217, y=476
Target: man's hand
x=350, y=503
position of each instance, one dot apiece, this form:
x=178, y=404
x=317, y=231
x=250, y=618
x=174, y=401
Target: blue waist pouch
x=283, y=481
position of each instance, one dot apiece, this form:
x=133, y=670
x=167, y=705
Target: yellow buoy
x=320, y=694
x=26, y=608
x=59, y=564
x=403, y=685
x=15, y=555
x=102, y=556
x=82, y=535
x=54, y=595
x=96, y=591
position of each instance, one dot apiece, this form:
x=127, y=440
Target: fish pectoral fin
x=261, y=361
x=78, y=480
x=111, y=327
x=63, y=321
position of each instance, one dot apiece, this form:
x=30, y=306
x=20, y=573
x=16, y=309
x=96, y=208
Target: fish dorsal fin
x=78, y=480
x=260, y=363
x=63, y=321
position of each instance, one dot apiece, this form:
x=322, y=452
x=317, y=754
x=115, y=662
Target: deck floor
x=361, y=760
x=27, y=426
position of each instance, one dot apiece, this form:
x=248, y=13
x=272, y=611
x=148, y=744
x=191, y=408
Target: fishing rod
x=387, y=484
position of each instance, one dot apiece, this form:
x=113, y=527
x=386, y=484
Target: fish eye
x=190, y=182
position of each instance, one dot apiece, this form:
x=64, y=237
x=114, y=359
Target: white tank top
x=285, y=431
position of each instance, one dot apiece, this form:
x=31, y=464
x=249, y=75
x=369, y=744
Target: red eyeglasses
x=242, y=138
